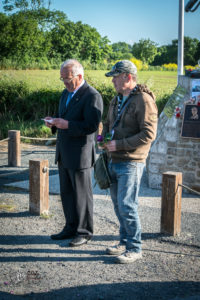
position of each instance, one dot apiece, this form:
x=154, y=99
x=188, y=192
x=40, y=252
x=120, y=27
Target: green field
x=23, y=105
x=161, y=82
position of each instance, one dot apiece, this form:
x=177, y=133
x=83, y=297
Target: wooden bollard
x=171, y=203
x=38, y=186
x=14, y=148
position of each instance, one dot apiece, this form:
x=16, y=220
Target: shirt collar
x=82, y=83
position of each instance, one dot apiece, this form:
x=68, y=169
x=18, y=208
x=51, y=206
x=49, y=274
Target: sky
x=131, y=20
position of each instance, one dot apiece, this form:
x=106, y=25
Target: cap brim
x=111, y=74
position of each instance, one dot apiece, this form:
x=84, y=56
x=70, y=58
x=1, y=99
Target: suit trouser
x=77, y=200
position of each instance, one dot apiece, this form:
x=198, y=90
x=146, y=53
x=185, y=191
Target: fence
x=38, y=172
x=39, y=186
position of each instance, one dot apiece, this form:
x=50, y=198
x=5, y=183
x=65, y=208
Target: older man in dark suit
x=79, y=115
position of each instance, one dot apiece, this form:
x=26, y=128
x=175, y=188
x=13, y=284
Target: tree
x=91, y=46
x=197, y=54
x=190, y=51
x=21, y=38
x=121, y=47
x=160, y=57
x=5, y=35
x=46, y=18
x=145, y=50
x=67, y=39
x=23, y=5
x=79, y=40
x=121, y=50
x=106, y=49
x=168, y=54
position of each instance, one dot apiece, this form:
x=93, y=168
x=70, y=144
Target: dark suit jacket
x=75, y=146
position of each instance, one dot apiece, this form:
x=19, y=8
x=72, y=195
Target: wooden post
x=171, y=203
x=38, y=186
x=14, y=149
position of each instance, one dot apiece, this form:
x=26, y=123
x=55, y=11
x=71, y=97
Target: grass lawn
x=161, y=82
x=46, y=84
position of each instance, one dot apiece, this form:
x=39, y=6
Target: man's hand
x=60, y=123
x=101, y=146
x=111, y=146
x=48, y=124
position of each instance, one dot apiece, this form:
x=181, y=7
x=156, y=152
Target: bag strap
x=123, y=108
x=105, y=165
x=119, y=116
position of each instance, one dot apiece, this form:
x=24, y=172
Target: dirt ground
x=32, y=266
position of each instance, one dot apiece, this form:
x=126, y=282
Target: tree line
x=31, y=32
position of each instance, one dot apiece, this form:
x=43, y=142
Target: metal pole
x=181, y=37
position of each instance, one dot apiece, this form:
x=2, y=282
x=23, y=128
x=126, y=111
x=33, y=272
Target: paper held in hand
x=48, y=120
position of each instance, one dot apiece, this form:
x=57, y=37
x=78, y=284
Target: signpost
x=181, y=37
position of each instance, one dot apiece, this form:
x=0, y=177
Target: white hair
x=76, y=66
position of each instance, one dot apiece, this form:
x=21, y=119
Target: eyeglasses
x=67, y=80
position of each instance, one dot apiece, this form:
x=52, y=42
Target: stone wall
x=170, y=151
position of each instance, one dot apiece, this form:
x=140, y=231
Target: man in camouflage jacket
x=135, y=109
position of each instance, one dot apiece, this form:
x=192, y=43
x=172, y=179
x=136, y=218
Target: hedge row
x=17, y=100
x=20, y=105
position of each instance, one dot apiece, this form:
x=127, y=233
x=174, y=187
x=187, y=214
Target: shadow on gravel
x=26, y=259
x=12, y=190
x=7, y=176
x=121, y=291
x=45, y=239
x=27, y=152
x=181, y=244
x=23, y=214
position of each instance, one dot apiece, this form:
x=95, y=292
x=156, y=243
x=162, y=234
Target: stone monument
x=177, y=146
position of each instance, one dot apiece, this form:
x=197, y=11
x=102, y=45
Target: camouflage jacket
x=137, y=126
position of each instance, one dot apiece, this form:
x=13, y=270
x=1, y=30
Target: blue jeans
x=124, y=189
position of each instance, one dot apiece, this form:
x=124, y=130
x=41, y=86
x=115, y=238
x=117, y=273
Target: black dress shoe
x=78, y=241
x=63, y=235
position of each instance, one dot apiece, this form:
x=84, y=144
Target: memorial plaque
x=191, y=122
x=196, y=91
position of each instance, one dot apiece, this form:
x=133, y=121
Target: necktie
x=69, y=98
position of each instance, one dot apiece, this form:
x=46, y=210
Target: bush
x=155, y=68
x=41, y=103
x=107, y=92
x=170, y=67
x=42, y=63
x=12, y=95
x=190, y=67
x=21, y=107
x=17, y=100
x=26, y=128
x=161, y=101
x=137, y=62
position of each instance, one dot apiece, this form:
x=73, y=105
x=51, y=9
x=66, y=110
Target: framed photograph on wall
x=191, y=122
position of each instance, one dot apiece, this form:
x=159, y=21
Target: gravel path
x=35, y=267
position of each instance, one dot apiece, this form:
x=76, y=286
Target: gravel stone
x=32, y=266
